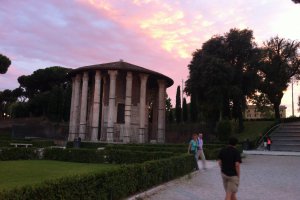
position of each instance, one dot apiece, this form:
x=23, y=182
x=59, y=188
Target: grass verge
x=25, y=172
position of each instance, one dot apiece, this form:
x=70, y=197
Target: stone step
x=288, y=127
x=285, y=142
x=285, y=147
x=281, y=137
x=288, y=135
x=287, y=131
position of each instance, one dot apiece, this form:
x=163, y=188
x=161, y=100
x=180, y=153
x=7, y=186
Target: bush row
x=111, y=155
x=18, y=154
x=75, y=155
x=114, y=184
x=87, y=145
x=147, y=148
x=82, y=155
x=127, y=156
x=35, y=143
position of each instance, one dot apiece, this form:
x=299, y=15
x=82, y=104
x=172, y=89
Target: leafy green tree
x=47, y=93
x=280, y=61
x=19, y=110
x=224, y=130
x=178, y=105
x=222, y=74
x=4, y=64
x=193, y=109
x=242, y=54
x=43, y=80
x=6, y=98
x=169, y=112
x=184, y=111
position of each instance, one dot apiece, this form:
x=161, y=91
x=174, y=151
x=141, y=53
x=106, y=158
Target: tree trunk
x=241, y=121
x=239, y=115
x=277, y=112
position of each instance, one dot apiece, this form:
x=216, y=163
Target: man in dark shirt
x=229, y=160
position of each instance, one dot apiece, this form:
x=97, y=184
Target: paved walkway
x=263, y=177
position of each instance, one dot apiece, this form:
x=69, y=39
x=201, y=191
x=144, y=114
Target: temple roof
x=124, y=66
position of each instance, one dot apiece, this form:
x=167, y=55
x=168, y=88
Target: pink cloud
x=160, y=35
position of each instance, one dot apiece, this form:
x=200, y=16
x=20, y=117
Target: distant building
x=252, y=112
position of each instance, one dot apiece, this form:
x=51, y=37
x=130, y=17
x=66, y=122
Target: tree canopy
x=46, y=92
x=43, y=80
x=222, y=74
x=280, y=61
x=231, y=69
x=4, y=64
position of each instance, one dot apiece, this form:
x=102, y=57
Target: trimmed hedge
x=35, y=143
x=75, y=155
x=147, y=148
x=18, y=154
x=87, y=145
x=95, y=145
x=108, y=156
x=127, y=157
x=115, y=184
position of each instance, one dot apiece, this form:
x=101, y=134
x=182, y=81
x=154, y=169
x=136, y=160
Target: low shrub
x=115, y=184
x=87, y=145
x=181, y=149
x=75, y=155
x=42, y=143
x=224, y=130
x=18, y=154
x=35, y=143
x=127, y=156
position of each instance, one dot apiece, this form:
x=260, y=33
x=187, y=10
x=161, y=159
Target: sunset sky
x=155, y=34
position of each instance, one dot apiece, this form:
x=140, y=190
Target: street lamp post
x=293, y=97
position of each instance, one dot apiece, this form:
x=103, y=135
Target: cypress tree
x=184, y=111
x=178, y=106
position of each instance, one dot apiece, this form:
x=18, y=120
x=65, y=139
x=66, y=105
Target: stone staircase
x=286, y=137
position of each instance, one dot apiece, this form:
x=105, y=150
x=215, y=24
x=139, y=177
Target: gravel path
x=263, y=177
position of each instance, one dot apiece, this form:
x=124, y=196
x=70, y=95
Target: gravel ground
x=263, y=177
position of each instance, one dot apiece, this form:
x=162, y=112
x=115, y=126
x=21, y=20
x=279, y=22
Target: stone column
x=161, y=111
x=71, y=120
x=76, y=105
x=128, y=107
x=143, y=78
x=111, y=105
x=83, y=107
x=96, y=106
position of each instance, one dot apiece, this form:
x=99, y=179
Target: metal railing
x=259, y=142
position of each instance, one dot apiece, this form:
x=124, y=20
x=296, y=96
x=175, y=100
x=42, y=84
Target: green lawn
x=23, y=172
x=253, y=129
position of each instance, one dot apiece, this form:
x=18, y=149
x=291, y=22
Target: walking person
x=269, y=142
x=193, y=148
x=200, y=152
x=265, y=143
x=229, y=160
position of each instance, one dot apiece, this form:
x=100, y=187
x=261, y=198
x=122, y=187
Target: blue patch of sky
x=102, y=24
x=55, y=16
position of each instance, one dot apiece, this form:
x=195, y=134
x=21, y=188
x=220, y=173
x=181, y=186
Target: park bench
x=20, y=145
x=57, y=147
